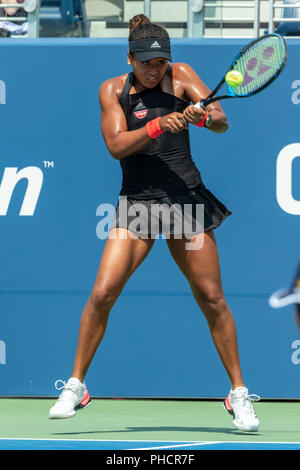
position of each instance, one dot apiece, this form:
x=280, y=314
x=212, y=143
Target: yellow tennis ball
x=234, y=78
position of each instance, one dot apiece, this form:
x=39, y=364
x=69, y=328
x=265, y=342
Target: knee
x=211, y=297
x=103, y=297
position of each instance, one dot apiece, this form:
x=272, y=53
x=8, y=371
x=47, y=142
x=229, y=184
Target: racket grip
x=200, y=105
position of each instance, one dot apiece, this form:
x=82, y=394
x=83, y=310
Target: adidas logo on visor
x=155, y=44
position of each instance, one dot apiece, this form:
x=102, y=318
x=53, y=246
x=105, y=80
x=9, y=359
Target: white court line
x=144, y=440
x=178, y=443
x=202, y=443
x=86, y=440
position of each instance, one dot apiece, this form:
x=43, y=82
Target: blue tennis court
x=55, y=444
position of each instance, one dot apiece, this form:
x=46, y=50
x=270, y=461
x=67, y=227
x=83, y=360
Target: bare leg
x=120, y=259
x=202, y=270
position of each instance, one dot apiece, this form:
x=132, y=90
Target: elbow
x=116, y=148
x=116, y=153
x=225, y=126
x=116, y=156
x=220, y=127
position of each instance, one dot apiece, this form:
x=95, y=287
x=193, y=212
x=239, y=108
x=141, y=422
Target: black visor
x=151, y=48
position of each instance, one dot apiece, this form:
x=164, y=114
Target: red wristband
x=202, y=123
x=153, y=128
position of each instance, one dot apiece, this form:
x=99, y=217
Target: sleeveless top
x=165, y=166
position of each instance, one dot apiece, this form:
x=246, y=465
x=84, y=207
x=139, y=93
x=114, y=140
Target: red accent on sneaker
x=85, y=399
x=227, y=403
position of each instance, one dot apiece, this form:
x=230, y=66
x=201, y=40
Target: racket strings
x=259, y=64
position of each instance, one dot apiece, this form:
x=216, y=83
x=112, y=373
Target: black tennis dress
x=162, y=187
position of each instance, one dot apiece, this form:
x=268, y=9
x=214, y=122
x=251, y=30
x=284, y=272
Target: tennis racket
x=260, y=63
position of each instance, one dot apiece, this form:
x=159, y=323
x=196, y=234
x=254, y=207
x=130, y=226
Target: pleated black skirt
x=188, y=213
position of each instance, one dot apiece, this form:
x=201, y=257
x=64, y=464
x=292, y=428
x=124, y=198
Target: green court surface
x=109, y=423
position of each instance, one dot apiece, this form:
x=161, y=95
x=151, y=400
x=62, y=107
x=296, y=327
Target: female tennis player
x=144, y=120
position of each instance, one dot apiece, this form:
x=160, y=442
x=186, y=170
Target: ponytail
x=140, y=27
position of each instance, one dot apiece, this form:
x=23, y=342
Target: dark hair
x=140, y=27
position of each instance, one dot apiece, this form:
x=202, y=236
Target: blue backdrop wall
x=157, y=342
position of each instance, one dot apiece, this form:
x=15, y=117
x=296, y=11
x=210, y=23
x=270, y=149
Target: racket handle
x=200, y=105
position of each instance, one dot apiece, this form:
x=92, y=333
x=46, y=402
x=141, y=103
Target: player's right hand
x=194, y=114
x=174, y=123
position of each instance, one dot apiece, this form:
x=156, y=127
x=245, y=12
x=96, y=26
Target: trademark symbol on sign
x=48, y=164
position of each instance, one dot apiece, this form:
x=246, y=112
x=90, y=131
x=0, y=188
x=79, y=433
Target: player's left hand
x=194, y=115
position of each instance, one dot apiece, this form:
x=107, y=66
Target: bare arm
x=120, y=142
x=195, y=91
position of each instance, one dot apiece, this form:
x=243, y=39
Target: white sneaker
x=239, y=404
x=73, y=398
